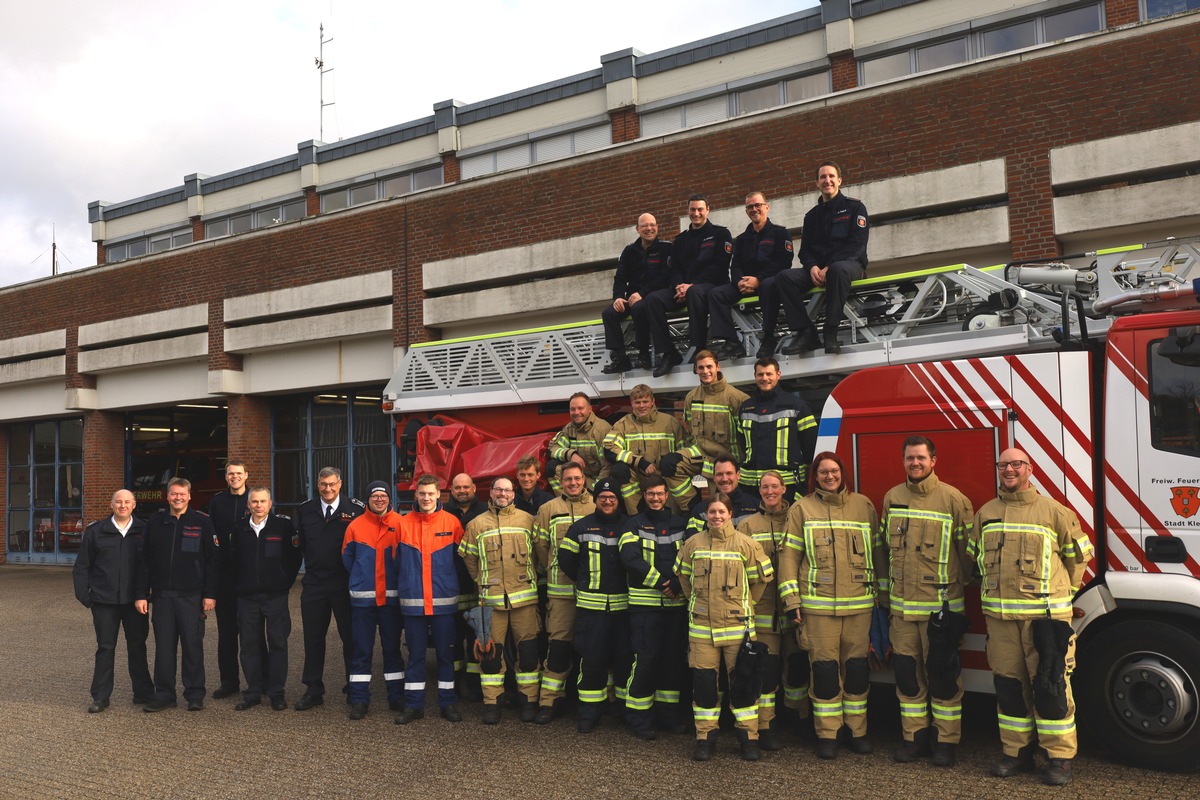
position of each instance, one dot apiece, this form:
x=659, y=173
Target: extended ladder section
x=944, y=313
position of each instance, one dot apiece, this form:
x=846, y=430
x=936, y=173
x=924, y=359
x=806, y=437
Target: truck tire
x=1138, y=694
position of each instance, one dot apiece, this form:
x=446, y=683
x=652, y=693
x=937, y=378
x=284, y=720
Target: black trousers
x=108, y=619
x=318, y=603
x=227, y=634
x=255, y=612
x=178, y=628
x=723, y=298
x=795, y=284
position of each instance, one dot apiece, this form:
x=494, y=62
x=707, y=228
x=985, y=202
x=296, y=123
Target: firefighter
x=727, y=480
x=635, y=445
x=265, y=562
x=778, y=429
x=657, y=613
x=499, y=555
x=924, y=530
x=369, y=553
x=710, y=413
x=581, y=441
x=590, y=556
x=1031, y=554
x=466, y=506
x=829, y=572
x=428, y=569
x=553, y=520
x=773, y=625
x=226, y=509
x=644, y=267
x=723, y=573
x=530, y=496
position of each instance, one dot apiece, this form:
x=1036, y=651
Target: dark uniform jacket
x=761, y=254
x=590, y=555
x=649, y=546
x=533, y=503
x=836, y=230
x=105, y=565
x=180, y=555
x=226, y=509
x=701, y=255
x=321, y=541
x=643, y=270
x=265, y=564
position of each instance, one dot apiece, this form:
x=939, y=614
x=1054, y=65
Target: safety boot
x=617, y=362
x=944, y=755
x=491, y=714
x=909, y=752
x=749, y=747
x=802, y=342
x=1058, y=773
x=768, y=739
x=827, y=748
x=705, y=748
x=767, y=348
x=1008, y=765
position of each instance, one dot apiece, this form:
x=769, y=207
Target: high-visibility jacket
x=369, y=554
x=649, y=546
x=426, y=562
x=497, y=549
x=769, y=529
x=549, y=527
x=779, y=432
x=924, y=530
x=636, y=440
x=1030, y=553
x=711, y=415
x=723, y=573
x=832, y=561
x=590, y=554
x=585, y=440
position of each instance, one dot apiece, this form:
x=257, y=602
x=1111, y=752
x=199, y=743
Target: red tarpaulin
x=499, y=457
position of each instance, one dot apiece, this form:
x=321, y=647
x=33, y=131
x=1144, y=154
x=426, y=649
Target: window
x=886, y=67
x=807, y=86
x=1161, y=8
x=45, y=491
x=1174, y=404
x=1075, y=22
x=383, y=188
x=942, y=54
x=412, y=181
x=348, y=431
x=263, y=217
x=760, y=98
x=522, y=155
x=155, y=243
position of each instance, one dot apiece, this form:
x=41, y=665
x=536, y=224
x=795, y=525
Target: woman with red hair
x=830, y=571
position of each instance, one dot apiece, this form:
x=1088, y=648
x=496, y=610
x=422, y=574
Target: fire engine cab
x=1090, y=364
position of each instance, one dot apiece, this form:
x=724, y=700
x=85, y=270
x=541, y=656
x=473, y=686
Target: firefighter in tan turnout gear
x=498, y=553
x=636, y=444
x=1031, y=554
x=710, y=412
x=581, y=442
x=828, y=574
x=924, y=528
x=723, y=573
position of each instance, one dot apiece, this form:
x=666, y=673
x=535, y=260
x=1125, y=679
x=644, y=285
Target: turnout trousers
x=841, y=674
x=918, y=709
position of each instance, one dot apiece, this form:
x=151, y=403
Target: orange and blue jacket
x=369, y=553
x=428, y=569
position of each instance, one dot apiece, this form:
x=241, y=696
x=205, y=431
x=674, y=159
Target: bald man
x=644, y=267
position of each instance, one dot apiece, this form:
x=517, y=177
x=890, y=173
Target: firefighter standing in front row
x=924, y=529
x=1030, y=554
x=723, y=573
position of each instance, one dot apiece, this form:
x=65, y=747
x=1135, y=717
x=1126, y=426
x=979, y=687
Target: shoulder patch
x=787, y=245
x=862, y=221
x=729, y=247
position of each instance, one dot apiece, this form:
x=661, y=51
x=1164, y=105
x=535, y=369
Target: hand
x=209, y=603
x=141, y=606
x=798, y=617
x=748, y=285
x=818, y=275
x=619, y=305
x=578, y=459
x=681, y=292
x=652, y=469
x=634, y=298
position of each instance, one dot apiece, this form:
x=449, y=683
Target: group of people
x=618, y=579
x=708, y=271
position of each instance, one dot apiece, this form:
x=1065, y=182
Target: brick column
x=1120, y=12
x=312, y=202
x=626, y=125
x=249, y=423
x=103, y=461
x=197, y=230
x=100, y=253
x=844, y=71
x=451, y=173
x=1031, y=206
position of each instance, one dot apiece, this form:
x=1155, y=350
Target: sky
x=112, y=101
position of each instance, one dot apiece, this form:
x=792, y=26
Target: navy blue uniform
x=763, y=254
x=265, y=566
x=700, y=257
x=640, y=270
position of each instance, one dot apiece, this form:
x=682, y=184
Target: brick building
x=259, y=313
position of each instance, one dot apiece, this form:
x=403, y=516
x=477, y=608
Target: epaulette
x=284, y=516
x=358, y=503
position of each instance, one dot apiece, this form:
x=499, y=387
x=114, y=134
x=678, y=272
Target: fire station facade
x=258, y=314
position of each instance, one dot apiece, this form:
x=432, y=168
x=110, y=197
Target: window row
x=1161, y=8
x=251, y=220
x=381, y=189
x=156, y=243
x=990, y=42
x=522, y=155
x=715, y=109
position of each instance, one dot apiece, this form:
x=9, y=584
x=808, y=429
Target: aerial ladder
x=956, y=311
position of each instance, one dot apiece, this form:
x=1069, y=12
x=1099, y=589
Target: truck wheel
x=1138, y=685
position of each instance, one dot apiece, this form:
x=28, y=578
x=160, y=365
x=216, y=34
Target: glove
x=668, y=465
x=621, y=472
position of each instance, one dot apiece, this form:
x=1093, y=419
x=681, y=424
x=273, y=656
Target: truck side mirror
x=1181, y=346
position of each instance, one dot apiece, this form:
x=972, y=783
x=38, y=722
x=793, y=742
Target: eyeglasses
x=755, y=206
x=498, y=490
x=828, y=473
x=329, y=484
x=1003, y=465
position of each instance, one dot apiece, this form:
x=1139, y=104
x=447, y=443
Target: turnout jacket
x=585, y=440
x=761, y=254
x=549, y=528
x=369, y=555
x=642, y=270
x=769, y=529
x=106, y=562
x=428, y=567
x=321, y=542
x=642, y=441
x=179, y=555
x=649, y=546
x=745, y=501
x=498, y=552
x=924, y=531
x=832, y=559
x=835, y=230
x=590, y=556
x=723, y=573
x=701, y=255
x=1030, y=553
x=711, y=415
x=267, y=563
x=779, y=432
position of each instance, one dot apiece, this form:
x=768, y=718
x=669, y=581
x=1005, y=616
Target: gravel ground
x=51, y=748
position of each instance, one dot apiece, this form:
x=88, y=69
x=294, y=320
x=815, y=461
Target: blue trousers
x=364, y=622
x=418, y=630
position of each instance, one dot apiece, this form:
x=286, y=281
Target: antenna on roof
x=320, y=63
x=53, y=253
